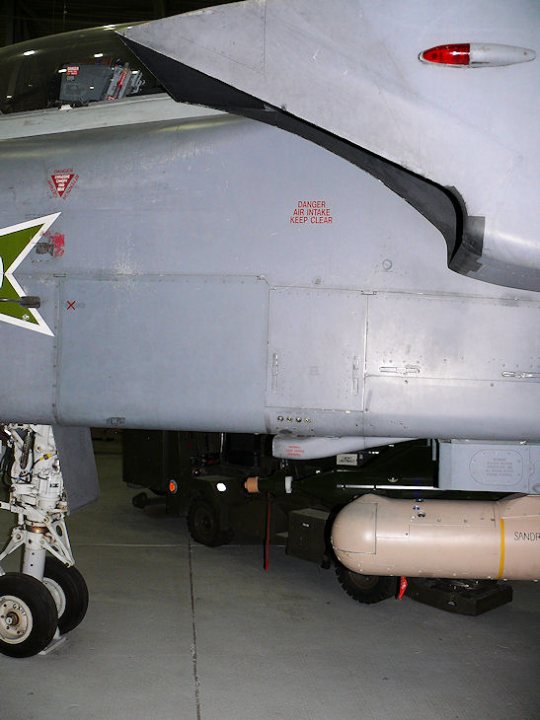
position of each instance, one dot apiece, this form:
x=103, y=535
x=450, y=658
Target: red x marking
x=70, y=304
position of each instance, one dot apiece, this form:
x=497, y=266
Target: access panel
x=172, y=352
x=315, y=380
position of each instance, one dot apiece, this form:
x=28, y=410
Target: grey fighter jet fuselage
x=168, y=266
x=199, y=270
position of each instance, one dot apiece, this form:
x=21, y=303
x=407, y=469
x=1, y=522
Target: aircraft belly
x=402, y=365
x=452, y=409
x=461, y=354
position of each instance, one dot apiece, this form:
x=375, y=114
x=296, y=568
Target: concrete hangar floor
x=179, y=631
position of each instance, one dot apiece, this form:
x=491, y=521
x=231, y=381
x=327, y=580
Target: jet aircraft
x=330, y=237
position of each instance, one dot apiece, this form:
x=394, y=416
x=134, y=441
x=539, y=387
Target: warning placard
x=294, y=451
x=62, y=182
x=314, y=212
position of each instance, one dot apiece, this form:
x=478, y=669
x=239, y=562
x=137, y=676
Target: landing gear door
x=78, y=465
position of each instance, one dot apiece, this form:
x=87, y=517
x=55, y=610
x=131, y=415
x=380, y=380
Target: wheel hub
x=15, y=620
x=58, y=594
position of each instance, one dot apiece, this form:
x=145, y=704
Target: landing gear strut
x=49, y=595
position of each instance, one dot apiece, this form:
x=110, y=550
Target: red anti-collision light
x=457, y=54
x=476, y=55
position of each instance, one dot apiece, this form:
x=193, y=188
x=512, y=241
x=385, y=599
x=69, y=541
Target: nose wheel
x=70, y=593
x=28, y=615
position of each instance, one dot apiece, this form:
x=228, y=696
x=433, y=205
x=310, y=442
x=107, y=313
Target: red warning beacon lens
x=458, y=54
x=476, y=55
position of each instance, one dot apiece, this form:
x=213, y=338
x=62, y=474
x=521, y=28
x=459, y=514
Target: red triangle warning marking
x=62, y=181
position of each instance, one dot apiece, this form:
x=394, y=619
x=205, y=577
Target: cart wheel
x=366, y=589
x=140, y=500
x=70, y=593
x=28, y=615
x=204, y=525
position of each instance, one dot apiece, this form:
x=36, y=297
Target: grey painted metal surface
x=189, y=296
x=352, y=68
x=508, y=468
x=170, y=356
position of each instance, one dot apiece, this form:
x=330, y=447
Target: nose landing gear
x=49, y=596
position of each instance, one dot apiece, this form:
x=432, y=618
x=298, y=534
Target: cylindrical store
x=376, y=535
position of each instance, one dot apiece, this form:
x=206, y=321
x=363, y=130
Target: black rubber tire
x=42, y=607
x=367, y=589
x=140, y=500
x=204, y=524
x=75, y=592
